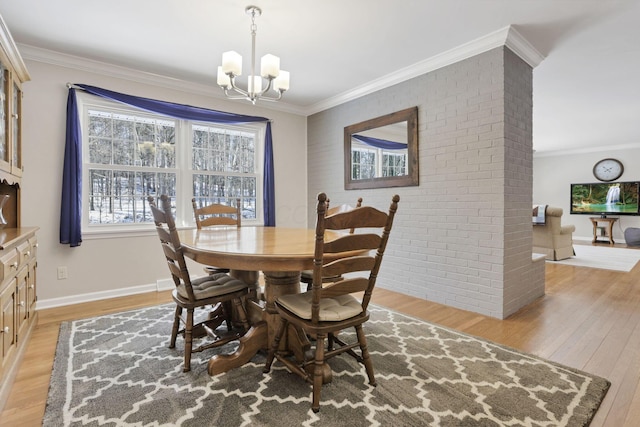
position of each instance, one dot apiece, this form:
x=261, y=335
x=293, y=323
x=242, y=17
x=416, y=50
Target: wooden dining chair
x=214, y=215
x=211, y=290
x=331, y=307
x=306, y=276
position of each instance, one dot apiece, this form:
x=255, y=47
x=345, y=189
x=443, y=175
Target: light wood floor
x=588, y=319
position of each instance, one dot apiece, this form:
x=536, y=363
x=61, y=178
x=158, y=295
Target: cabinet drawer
x=9, y=263
x=24, y=249
x=33, y=242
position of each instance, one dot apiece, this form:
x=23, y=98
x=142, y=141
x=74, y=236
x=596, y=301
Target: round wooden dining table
x=280, y=253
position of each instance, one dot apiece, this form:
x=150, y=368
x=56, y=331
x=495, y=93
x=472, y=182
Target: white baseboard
x=161, y=285
x=165, y=285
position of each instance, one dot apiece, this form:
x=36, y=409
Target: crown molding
x=585, y=150
x=507, y=36
x=521, y=47
x=47, y=56
x=11, y=50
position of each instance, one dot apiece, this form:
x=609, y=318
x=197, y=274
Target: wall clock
x=608, y=169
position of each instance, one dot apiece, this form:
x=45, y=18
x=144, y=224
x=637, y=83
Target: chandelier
x=269, y=69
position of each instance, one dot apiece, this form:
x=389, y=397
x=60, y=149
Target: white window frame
x=184, y=176
x=378, y=154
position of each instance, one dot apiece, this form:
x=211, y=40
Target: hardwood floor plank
x=624, y=374
x=589, y=319
x=634, y=408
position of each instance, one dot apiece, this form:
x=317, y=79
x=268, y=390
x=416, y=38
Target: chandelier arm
x=232, y=79
x=270, y=98
x=231, y=96
x=265, y=90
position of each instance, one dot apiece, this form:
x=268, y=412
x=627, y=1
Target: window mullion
x=184, y=190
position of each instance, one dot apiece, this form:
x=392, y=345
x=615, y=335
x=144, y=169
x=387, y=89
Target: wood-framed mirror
x=382, y=152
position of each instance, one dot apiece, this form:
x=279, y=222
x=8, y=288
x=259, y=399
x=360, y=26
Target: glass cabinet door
x=16, y=130
x=4, y=118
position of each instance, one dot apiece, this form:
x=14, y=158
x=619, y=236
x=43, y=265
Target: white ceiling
x=586, y=90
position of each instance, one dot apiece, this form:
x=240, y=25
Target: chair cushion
x=331, y=309
x=212, y=286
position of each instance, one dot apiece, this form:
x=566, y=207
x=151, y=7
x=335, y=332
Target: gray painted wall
x=463, y=236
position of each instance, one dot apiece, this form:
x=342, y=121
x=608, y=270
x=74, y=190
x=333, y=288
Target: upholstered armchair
x=552, y=238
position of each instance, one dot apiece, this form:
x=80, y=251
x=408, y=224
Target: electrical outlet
x=62, y=273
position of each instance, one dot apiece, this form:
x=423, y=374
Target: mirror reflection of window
x=363, y=164
x=368, y=162
x=382, y=151
x=379, y=152
x=394, y=164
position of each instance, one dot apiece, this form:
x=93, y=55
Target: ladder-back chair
x=211, y=290
x=330, y=307
x=213, y=215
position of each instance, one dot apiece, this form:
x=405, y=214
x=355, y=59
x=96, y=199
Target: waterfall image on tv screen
x=620, y=198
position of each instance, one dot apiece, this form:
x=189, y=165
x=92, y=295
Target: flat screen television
x=605, y=198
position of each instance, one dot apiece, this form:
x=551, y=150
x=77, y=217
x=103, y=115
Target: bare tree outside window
x=225, y=163
x=131, y=156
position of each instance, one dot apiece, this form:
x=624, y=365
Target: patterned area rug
x=116, y=370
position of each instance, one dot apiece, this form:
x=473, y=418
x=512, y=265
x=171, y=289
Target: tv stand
x=605, y=230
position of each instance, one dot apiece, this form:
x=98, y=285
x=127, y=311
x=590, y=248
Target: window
x=394, y=164
x=364, y=163
x=368, y=162
x=129, y=154
x=224, y=165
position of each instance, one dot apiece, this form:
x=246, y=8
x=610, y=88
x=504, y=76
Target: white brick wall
x=463, y=236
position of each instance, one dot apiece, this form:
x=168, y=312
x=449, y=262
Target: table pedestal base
x=264, y=322
x=250, y=344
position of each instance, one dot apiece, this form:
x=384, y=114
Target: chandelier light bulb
x=255, y=84
x=232, y=63
x=269, y=66
x=223, y=79
x=281, y=83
